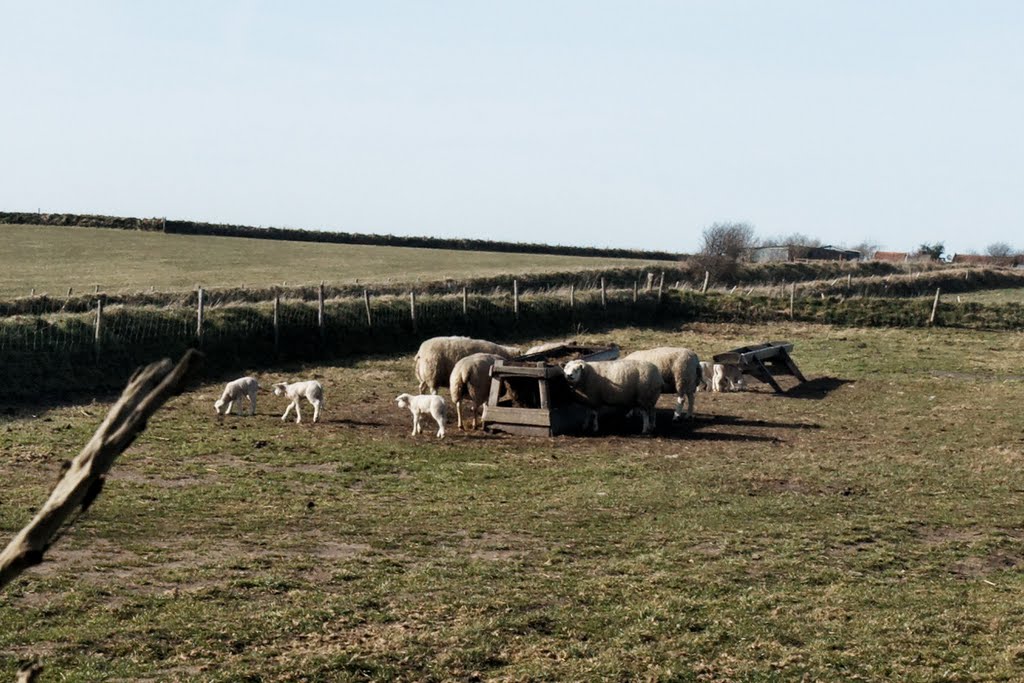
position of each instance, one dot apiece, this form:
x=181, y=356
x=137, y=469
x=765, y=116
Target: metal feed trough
x=539, y=401
x=760, y=360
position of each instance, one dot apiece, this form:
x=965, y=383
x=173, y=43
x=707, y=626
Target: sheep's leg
x=689, y=403
x=286, y=411
x=252, y=405
x=645, y=415
x=593, y=414
x=439, y=418
x=458, y=414
x=298, y=412
x=678, y=413
x=415, y=423
x=316, y=410
x=228, y=411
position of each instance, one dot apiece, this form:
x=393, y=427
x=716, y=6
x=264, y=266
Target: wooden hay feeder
x=539, y=401
x=762, y=360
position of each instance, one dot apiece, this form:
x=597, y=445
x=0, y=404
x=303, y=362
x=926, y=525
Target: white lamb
x=618, y=383
x=707, y=374
x=311, y=390
x=728, y=378
x=471, y=378
x=425, y=404
x=680, y=373
x=437, y=357
x=236, y=390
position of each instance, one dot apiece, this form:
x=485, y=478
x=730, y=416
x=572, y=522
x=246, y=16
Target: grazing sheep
x=236, y=390
x=425, y=404
x=311, y=390
x=471, y=378
x=437, y=357
x=680, y=370
x=728, y=378
x=707, y=373
x=618, y=383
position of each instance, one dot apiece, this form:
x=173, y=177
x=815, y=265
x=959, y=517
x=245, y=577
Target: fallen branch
x=82, y=481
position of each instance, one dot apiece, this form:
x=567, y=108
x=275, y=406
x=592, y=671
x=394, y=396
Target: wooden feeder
x=539, y=401
x=761, y=360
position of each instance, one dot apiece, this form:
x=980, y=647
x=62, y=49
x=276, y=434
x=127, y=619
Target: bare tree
x=999, y=249
x=724, y=244
x=866, y=248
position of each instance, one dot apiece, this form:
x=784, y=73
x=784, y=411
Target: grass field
x=51, y=259
x=866, y=528
x=993, y=296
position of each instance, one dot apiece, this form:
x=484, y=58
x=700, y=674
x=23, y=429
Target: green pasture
x=867, y=527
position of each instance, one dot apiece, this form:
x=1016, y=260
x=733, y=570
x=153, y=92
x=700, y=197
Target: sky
x=596, y=123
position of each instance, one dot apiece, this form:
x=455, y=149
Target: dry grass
x=868, y=528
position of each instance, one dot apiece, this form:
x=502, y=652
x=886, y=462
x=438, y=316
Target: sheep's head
x=403, y=400
x=218, y=404
x=574, y=371
x=279, y=388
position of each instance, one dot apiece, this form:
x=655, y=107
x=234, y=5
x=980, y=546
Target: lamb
x=707, y=373
x=425, y=404
x=437, y=357
x=471, y=378
x=236, y=390
x=681, y=373
x=620, y=383
x=311, y=390
x=728, y=378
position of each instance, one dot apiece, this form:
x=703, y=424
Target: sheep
x=728, y=378
x=471, y=378
x=311, y=390
x=235, y=390
x=437, y=357
x=619, y=383
x=707, y=373
x=680, y=370
x=425, y=404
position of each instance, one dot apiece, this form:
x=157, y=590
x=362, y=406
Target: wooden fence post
x=366, y=301
x=572, y=295
x=792, y=299
x=604, y=296
x=33, y=292
x=277, y=323
x=412, y=308
x=661, y=286
x=320, y=310
x=707, y=278
x=465, y=302
x=98, y=336
x=636, y=292
x=935, y=306
x=199, y=315
x=69, y=292
x=515, y=297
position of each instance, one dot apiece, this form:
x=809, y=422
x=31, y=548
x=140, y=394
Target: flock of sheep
x=463, y=365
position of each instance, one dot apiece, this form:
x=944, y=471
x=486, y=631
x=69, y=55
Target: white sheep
x=236, y=390
x=425, y=404
x=707, y=373
x=311, y=390
x=728, y=377
x=437, y=357
x=547, y=346
x=471, y=378
x=680, y=373
x=617, y=383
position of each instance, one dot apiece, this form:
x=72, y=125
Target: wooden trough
x=539, y=402
x=762, y=360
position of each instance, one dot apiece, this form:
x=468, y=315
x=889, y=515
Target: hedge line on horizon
x=302, y=235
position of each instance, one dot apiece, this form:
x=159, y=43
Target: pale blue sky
x=630, y=124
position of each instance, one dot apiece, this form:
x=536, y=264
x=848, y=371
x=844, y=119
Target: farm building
x=796, y=252
x=892, y=256
x=983, y=260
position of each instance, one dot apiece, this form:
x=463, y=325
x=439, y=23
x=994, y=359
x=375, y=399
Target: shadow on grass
x=817, y=388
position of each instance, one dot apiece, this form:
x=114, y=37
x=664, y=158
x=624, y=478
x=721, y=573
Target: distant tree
x=934, y=251
x=866, y=248
x=999, y=249
x=724, y=245
x=796, y=239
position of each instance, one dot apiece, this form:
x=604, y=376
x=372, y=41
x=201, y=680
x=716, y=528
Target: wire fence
x=57, y=353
